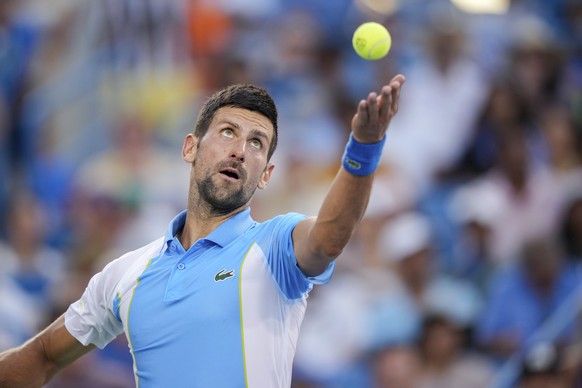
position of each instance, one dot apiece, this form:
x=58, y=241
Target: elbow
x=328, y=247
x=319, y=260
x=330, y=251
x=49, y=365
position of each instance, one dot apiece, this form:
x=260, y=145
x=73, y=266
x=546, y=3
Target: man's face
x=230, y=161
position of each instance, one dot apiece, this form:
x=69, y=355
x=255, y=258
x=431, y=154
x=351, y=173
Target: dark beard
x=221, y=201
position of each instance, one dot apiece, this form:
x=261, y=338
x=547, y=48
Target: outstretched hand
x=374, y=113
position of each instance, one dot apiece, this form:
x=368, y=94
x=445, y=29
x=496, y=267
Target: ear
x=266, y=176
x=189, y=148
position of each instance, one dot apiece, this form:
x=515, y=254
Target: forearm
x=36, y=362
x=341, y=211
x=25, y=366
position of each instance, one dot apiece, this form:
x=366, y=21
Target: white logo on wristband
x=353, y=164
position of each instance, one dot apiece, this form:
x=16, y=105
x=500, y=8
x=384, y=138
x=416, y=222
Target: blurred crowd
x=466, y=270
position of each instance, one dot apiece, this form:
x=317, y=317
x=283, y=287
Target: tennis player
x=218, y=301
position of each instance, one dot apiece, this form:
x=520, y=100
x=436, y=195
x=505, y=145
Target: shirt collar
x=223, y=235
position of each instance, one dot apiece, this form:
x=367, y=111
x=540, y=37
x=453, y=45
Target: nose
x=238, y=151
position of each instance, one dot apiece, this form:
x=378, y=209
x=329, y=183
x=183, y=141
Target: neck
x=196, y=228
x=201, y=220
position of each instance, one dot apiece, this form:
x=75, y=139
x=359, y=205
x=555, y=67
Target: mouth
x=231, y=173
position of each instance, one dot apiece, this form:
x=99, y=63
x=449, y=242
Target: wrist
x=366, y=140
x=362, y=159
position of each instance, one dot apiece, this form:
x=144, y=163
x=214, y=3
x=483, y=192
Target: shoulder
x=288, y=219
x=133, y=262
x=122, y=274
x=277, y=228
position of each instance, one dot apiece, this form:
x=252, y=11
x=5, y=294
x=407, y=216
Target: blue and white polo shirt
x=225, y=313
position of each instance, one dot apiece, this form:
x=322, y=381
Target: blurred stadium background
x=466, y=269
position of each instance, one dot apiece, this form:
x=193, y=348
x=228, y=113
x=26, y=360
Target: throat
x=199, y=225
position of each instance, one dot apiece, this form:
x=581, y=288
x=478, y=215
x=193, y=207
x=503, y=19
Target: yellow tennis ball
x=372, y=40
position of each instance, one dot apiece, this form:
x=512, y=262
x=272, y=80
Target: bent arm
x=36, y=362
x=318, y=241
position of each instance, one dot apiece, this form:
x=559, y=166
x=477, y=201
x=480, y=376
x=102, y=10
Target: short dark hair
x=243, y=96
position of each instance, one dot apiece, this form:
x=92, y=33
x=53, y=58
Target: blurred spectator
x=571, y=230
x=572, y=82
x=503, y=111
x=96, y=223
x=396, y=366
x=28, y=266
x=5, y=171
x=541, y=368
x=444, y=359
x=563, y=150
x=140, y=33
x=535, y=62
x=47, y=170
x=343, y=311
x=19, y=316
x=475, y=211
x=525, y=201
x=521, y=298
x=210, y=30
x=443, y=96
x=407, y=245
x=125, y=171
x=391, y=194
x=50, y=178
x=367, y=307
x=134, y=181
x=18, y=42
x=303, y=97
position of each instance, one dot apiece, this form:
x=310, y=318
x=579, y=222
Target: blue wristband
x=362, y=159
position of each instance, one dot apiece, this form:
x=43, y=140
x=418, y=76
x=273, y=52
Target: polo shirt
x=224, y=313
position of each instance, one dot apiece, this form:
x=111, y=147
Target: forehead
x=243, y=118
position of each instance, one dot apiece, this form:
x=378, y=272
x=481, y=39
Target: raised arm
x=35, y=362
x=318, y=241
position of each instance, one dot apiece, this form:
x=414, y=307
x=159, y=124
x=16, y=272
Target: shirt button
x=181, y=266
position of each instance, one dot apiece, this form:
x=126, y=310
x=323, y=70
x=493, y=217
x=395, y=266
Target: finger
x=395, y=93
x=372, y=107
x=397, y=81
x=396, y=99
x=384, y=103
x=399, y=78
x=362, y=111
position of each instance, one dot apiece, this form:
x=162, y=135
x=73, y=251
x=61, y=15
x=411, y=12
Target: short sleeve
x=283, y=263
x=91, y=319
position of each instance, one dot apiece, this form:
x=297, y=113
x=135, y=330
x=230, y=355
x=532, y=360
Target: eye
x=228, y=132
x=256, y=143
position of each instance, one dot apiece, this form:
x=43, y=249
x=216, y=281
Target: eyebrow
x=230, y=123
